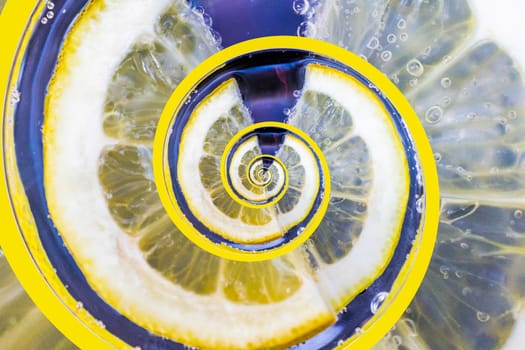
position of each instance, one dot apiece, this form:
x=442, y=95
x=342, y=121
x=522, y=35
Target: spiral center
x=260, y=175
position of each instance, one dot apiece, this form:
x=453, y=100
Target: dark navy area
x=239, y=20
x=235, y=20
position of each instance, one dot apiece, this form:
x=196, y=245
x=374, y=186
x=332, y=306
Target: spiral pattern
x=261, y=185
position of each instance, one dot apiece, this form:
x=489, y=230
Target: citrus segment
x=153, y=67
x=169, y=252
x=340, y=229
x=129, y=191
x=260, y=282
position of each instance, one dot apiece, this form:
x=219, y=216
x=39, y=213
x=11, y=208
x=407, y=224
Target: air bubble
x=419, y=205
x=482, y=316
x=397, y=340
x=79, y=305
x=518, y=214
x=434, y=115
x=437, y=157
x=391, y=38
x=411, y=325
x=15, y=96
x=444, y=271
x=464, y=245
x=208, y=21
x=466, y=291
x=306, y=29
x=359, y=330
x=50, y=14
x=297, y=93
x=50, y=5
x=310, y=13
x=471, y=115
x=403, y=36
x=402, y=24
x=415, y=68
x=199, y=10
x=301, y=7
x=373, y=43
x=43, y=20
x=377, y=301
x=419, y=179
x=395, y=78
x=446, y=82
x=386, y=55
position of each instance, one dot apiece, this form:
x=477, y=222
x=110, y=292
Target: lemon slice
x=369, y=179
x=119, y=64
